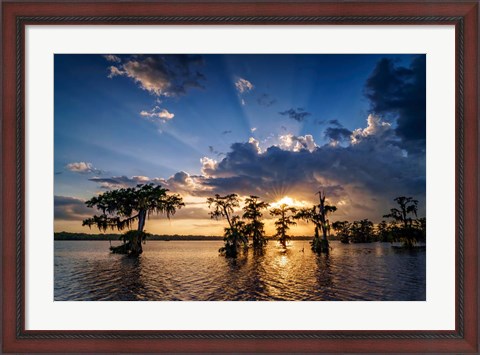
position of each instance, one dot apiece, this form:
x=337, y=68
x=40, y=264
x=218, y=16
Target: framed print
x=246, y=177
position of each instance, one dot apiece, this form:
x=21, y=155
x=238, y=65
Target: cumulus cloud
x=70, y=208
x=362, y=177
x=112, y=58
x=243, y=85
x=298, y=114
x=399, y=92
x=297, y=143
x=158, y=113
x=256, y=144
x=184, y=183
x=208, y=165
x=375, y=128
x=162, y=75
x=114, y=71
x=82, y=168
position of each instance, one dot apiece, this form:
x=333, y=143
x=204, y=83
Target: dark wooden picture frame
x=16, y=15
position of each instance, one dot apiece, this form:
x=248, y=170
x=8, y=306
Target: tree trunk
x=136, y=248
x=324, y=247
x=227, y=216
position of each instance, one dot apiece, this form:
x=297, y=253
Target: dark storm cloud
x=266, y=100
x=275, y=169
x=369, y=172
x=337, y=134
x=240, y=184
x=400, y=92
x=298, y=114
x=162, y=75
x=70, y=208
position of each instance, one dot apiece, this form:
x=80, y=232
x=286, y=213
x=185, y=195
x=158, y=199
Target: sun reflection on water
x=283, y=260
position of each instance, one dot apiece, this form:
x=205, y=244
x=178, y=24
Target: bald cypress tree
x=252, y=212
x=286, y=218
x=234, y=237
x=407, y=206
x=121, y=208
x=318, y=215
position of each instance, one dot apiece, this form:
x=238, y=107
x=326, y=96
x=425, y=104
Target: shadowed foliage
x=342, y=228
x=362, y=231
x=234, y=237
x=318, y=216
x=286, y=216
x=420, y=225
x=254, y=228
x=383, y=232
x=406, y=232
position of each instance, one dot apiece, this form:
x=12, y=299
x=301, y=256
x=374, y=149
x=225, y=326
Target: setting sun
x=284, y=201
x=288, y=201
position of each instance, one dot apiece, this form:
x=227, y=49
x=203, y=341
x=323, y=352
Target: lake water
x=193, y=270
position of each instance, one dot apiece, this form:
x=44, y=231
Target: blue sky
x=202, y=124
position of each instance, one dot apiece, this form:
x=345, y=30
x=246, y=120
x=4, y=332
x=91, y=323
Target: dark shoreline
x=116, y=237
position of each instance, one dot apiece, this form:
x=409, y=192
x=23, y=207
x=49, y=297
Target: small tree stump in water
x=121, y=249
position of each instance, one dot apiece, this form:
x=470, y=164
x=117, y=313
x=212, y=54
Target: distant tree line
x=116, y=237
x=85, y=236
x=401, y=228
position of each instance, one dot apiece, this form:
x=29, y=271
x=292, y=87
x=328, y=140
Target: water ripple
x=167, y=271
